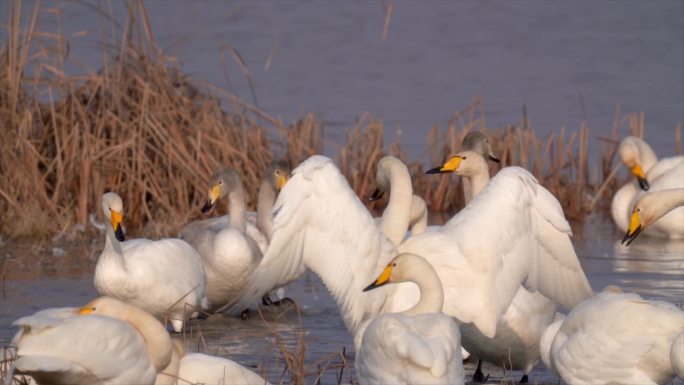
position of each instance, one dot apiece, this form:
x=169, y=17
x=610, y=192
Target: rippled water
x=652, y=268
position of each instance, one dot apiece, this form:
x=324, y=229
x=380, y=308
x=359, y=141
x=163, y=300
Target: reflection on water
x=37, y=278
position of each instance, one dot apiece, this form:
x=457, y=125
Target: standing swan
x=652, y=175
x=229, y=254
x=164, y=277
x=616, y=338
x=111, y=342
x=420, y=345
x=516, y=344
x=651, y=207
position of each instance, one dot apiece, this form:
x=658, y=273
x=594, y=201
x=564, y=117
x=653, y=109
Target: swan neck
x=397, y=214
x=667, y=201
x=477, y=182
x=236, y=206
x=647, y=157
x=467, y=190
x=267, y=196
x=158, y=342
x=430, y=286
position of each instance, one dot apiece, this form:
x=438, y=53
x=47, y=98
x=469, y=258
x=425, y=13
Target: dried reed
x=142, y=128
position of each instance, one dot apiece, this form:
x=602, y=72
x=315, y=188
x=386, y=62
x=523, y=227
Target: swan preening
x=652, y=175
x=111, y=342
x=616, y=338
x=231, y=246
x=420, y=345
x=165, y=277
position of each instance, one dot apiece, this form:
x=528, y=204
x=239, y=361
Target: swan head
x=646, y=210
x=629, y=151
x=478, y=142
x=277, y=174
x=382, y=176
x=222, y=183
x=465, y=163
x=399, y=269
x=112, y=207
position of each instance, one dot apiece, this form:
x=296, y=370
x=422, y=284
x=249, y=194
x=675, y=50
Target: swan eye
x=394, y=264
x=220, y=182
x=464, y=158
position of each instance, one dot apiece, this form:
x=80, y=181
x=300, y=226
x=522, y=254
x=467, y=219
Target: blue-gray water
x=566, y=60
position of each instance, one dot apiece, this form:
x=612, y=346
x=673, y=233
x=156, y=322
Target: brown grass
x=142, y=128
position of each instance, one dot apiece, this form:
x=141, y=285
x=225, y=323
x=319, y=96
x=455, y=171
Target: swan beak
x=383, y=279
x=635, y=228
x=638, y=172
x=493, y=158
x=281, y=182
x=214, y=193
x=85, y=310
x=377, y=194
x=116, y=218
x=450, y=166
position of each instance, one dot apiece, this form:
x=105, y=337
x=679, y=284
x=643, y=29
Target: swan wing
x=81, y=348
x=320, y=223
x=410, y=349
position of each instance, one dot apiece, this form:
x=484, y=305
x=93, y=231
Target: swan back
x=617, y=338
x=158, y=342
x=547, y=340
x=58, y=346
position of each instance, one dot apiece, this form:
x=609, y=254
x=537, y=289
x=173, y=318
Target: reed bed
x=141, y=127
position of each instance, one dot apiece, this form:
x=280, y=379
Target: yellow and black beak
x=450, y=166
x=214, y=193
x=281, y=181
x=377, y=194
x=638, y=172
x=383, y=279
x=635, y=228
x=116, y=218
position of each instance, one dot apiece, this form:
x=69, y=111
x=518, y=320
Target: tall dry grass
x=141, y=127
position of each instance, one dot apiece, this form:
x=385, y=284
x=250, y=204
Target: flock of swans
x=500, y=280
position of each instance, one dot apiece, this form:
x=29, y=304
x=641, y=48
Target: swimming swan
x=516, y=344
x=652, y=206
x=164, y=277
x=418, y=346
x=616, y=338
x=653, y=175
x=322, y=225
x=111, y=342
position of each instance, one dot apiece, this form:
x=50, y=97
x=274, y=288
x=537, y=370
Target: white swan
x=321, y=224
x=259, y=224
x=653, y=175
x=230, y=255
x=197, y=368
x=616, y=338
x=164, y=277
x=418, y=346
x=111, y=343
x=516, y=343
x=677, y=355
x=652, y=206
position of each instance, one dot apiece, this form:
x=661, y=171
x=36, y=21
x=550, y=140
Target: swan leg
x=524, y=379
x=177, y=325
x=478, y=376
x=267, y=301
x=245, y=314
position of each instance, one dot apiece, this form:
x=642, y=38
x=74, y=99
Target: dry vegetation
x=142, y=128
